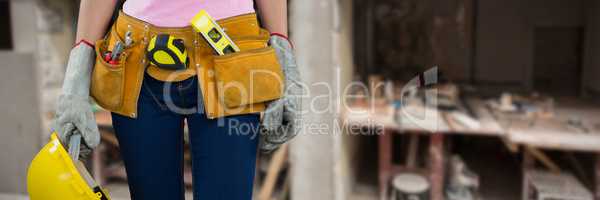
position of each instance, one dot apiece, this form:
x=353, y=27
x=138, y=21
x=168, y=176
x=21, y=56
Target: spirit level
x=213, y=33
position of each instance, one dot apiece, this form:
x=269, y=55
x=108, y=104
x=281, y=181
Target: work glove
x=282, y=118
x=74, y=111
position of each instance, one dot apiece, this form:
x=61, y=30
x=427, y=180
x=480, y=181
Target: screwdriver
x=117, y=50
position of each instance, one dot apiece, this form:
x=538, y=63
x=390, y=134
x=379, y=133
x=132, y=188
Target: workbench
x=555, y=133
x=545, y=134
x=382, y=118
x=415, y=121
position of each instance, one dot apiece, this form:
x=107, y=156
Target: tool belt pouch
x=250, y=76
x=108, y=80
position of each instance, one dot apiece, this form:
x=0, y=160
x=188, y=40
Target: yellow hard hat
x=53, y=175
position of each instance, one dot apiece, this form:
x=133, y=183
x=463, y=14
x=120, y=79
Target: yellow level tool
x=213, y=33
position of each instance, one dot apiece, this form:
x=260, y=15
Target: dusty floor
x=364, y=192
x=12, y=197
x=117, y=192
x=120, y=191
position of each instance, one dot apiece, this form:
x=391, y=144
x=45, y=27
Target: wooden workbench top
x=550, y=133
x=555, y=132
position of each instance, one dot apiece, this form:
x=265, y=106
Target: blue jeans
x=152, y=145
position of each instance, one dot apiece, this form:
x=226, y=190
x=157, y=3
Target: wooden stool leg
x=413, y=147
x=436, y=166
x=527, y=164
x=385, y=162
x=383, y=187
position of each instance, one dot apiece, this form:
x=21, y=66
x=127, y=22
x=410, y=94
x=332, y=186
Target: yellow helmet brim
x=53, y=175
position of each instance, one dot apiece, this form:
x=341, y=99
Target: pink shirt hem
x=178, y=13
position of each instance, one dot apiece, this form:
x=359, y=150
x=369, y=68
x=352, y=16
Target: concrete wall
x=30, y=77
x=19, y=119
x=504, y=35
x=20, y=116
x=321, y=32
x=23, y=25
x=343, y=37
x=311, y=155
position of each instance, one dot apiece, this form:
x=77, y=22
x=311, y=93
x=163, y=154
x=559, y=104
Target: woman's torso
x=169, y=13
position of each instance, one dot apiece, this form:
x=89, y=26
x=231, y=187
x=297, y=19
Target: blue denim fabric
x=223, y=150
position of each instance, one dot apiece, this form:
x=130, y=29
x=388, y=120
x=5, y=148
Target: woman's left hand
x=282, y=118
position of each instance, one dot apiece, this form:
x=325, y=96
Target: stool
x=410, y=186
x=561, y=186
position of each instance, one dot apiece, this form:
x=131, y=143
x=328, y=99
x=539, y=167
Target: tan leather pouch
x=108, y=80
x=250, y=76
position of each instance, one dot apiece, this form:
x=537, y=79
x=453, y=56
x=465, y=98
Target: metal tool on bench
x=463, y=184
x=55, y=174
x=213, y=33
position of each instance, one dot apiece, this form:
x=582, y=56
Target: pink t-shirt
x=178, y=13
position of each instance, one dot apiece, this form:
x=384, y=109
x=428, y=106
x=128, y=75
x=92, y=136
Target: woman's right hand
x=74, y=111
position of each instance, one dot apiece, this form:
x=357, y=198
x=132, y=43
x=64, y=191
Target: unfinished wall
x=393, y=38
x=591, y=69
x=343, y=38
x=504, y=36
x=399, y=39
x=451, y=38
